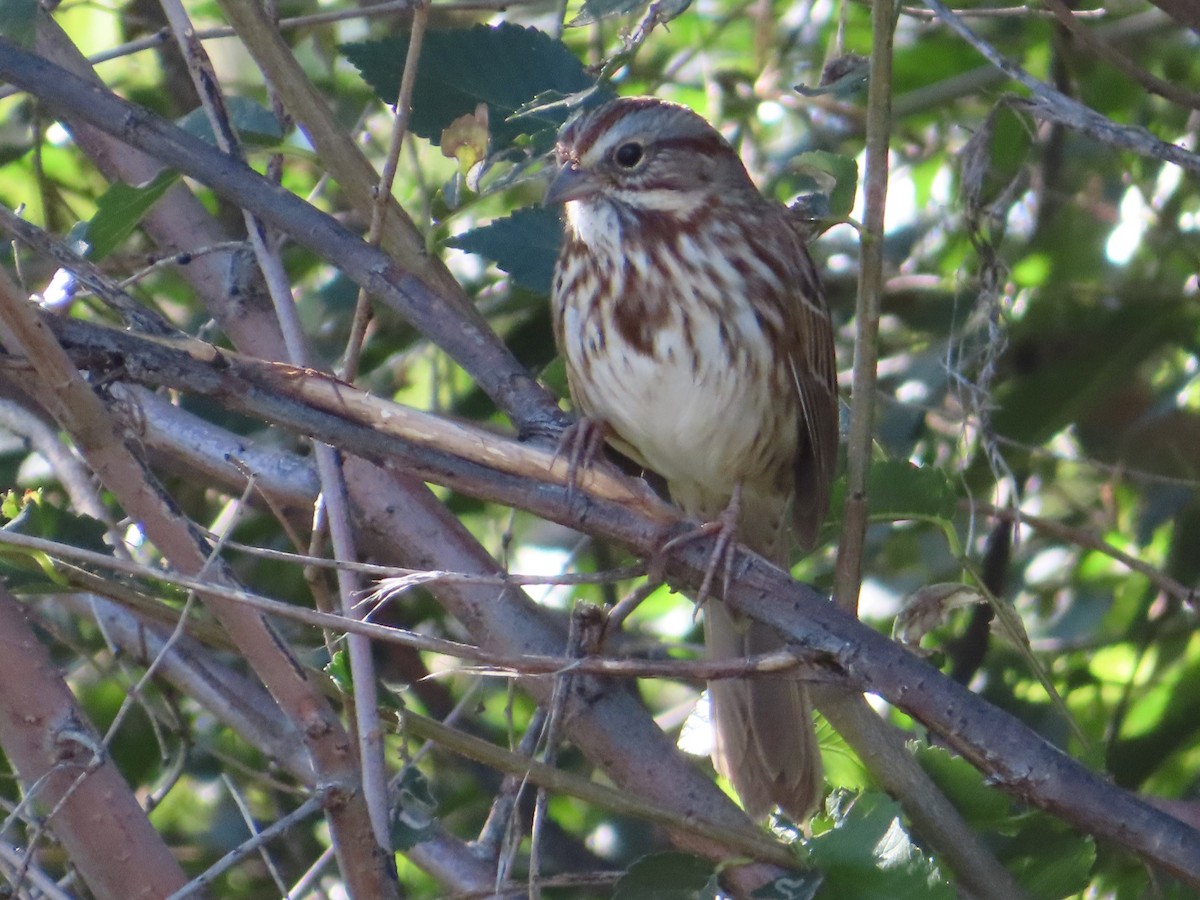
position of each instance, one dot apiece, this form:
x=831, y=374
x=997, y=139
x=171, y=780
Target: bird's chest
x=677, y=374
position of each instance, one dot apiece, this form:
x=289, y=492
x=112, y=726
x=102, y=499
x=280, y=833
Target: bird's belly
x=695, y=418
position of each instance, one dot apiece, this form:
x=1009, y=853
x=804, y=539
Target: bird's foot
x=581, y=444
x=724, y=526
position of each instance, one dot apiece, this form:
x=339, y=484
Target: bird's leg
x=581, y=443
x=724, y=526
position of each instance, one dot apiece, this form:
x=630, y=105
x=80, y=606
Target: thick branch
x=61, y=760
x=480, y=464
x=84, y=416
x=471, y=344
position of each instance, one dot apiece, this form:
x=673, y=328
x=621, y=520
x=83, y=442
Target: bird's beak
x=570, y=183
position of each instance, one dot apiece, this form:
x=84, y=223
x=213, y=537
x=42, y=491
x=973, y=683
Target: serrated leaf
x=837, y=177
x=504, y=66
x=985, y=808
x=254, y=123
x=869, y=856
x=1048, y=859
x=18, y=21
x=525, y=245
x=119, y=210
x=667, y=876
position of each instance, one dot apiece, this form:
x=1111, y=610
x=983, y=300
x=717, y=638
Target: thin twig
x=934, y=818
x=333, y=490
x=866, y=315
x=1047, y=103
x=808, y=666
x=1117, y=59
x=1001, y=12
x=387, y=177
x=1084, y=538
x=754, y=845
x=203, y=882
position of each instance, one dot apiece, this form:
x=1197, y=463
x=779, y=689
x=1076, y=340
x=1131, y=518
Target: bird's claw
x=580, y=443
x=724, y=527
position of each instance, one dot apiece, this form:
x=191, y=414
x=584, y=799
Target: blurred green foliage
x=1072, y=384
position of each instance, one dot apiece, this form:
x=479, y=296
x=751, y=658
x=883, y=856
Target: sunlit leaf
x=119, y=210
x=868, y=854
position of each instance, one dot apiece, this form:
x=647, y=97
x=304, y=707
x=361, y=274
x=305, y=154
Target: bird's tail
x=765, y=743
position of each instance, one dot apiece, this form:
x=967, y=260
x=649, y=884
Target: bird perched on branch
x=694, y=328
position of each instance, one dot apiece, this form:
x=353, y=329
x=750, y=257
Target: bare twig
x=202, y=883
x=1000, y=12
x=933, y=816
x=866, y=313
x=82, y=413
x=1047, y=103
x=602, y=795
x=1130, y=28
x=1105, y=50
x=383, y=191
x=1011, y=755
x=808, y=666
x=1087, y=539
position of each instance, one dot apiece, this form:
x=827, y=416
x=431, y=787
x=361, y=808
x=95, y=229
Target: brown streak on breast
x=636, y=317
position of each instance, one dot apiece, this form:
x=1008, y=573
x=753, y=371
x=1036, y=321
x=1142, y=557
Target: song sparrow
x=693, y=325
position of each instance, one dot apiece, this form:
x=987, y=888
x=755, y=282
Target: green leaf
x=18, y=21
x=31, y=514
x=836, y=177
x=1073, y=359
x=119, y=210
x=338, y=669
x=1049, y=859
x=254, y=123
x=503, y=67
x=36, y=516
x=525, y=245
x=868, y=855
x=985, y=808
x=899, y=490
x=667, y=876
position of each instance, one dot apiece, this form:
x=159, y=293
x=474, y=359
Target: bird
x=694, y=330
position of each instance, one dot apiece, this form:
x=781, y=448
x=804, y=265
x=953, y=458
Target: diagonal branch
x=481, y=464
x=95, y=432
x=468, y=341
x=1047, y=103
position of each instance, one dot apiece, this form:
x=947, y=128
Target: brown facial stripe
x=581, y=135
x=701, y=145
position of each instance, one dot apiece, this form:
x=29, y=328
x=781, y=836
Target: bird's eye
x=628, y=155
